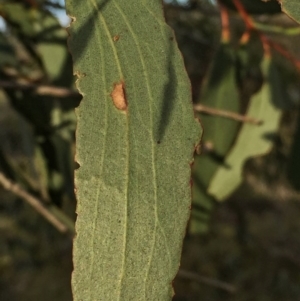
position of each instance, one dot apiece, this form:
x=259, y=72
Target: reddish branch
x=225, y=23
x=247, y=19
x=267, y=44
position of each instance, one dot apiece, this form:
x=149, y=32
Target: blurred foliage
x=219, y=92
x=256, y=6
x=36, y=150
x=251, y=241
x=252, y=140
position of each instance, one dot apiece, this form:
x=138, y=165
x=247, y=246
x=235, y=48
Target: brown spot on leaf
x=116, y=38
x=118, y=96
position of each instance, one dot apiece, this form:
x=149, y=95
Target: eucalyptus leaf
x=136, y=135
x=220, y=92
x=252, y=140
x=292, y=8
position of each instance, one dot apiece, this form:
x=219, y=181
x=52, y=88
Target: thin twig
x=34, y=202
x=226, y=114
x=208, y=281
x=247, y=19
x=290, y=31
x=40, y=90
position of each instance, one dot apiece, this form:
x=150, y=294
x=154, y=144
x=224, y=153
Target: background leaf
x=252, y=140
x=219, y=92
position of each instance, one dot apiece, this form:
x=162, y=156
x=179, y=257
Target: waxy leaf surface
x=292, y=8
x=135, y=140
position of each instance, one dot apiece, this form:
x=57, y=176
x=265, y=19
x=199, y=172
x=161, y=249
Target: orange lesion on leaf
x=119, y=97
x=116, y=38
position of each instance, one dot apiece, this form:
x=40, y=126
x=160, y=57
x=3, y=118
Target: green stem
x=277, y=29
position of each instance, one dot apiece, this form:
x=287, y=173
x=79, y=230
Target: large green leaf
x=135, y=140
x=292, y=8
x=252, y=140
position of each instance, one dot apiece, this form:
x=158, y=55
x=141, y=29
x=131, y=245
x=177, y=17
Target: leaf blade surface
x=291, y=8
x=133, y=184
